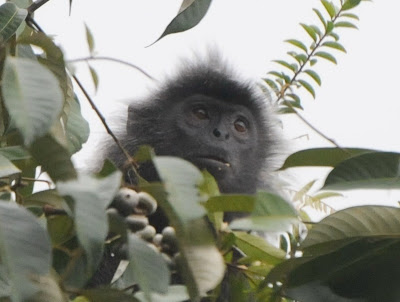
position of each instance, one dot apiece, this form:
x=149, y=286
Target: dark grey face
x=219, y=137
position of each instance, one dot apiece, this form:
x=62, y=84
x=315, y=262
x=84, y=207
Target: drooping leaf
x=314, y=76
x=349, y=4
x=147, y=267
x=53, y=158
x=11, y=17
x=345, y=24
x=320, y=16
x=91, y=198
x=188, y=18
x=349, y=15
x=298, y=44
x=89, y=39
x=257, y=248
x=321, y=157
x=292, y=67
x=25, y=250
x=308, y=87
x=95, y=77
x=311, y=32
x=76, y=128
x=329, y=7
x=326, y=56
x=32, y=96
x=334, y=45
x=371, y=170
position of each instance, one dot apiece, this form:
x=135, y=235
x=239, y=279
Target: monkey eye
x=240, y=126
x=201, y=113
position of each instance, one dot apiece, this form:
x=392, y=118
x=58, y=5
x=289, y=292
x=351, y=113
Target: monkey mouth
x=210, y=161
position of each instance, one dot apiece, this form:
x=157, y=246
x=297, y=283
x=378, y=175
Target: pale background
x=358, y=104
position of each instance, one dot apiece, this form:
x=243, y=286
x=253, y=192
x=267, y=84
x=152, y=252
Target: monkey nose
x=218, y=134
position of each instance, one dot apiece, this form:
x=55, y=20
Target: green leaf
x=372, y=170
x=310, y=31
x=91, y=198
x=314, y=76
x=181, y=179
x=147, y=267
x=356, y=222
x=334, y=45
x=89, y=39
x=231, y=203
x=77, y=128
x=345, y=24
x=175, y=293
x=95, y=77
x=11, y=17
x=349, y=4
x=187, y=19
x=329, y=7
x=258, y=249
x=7, y=168
x=14, y=153
x=329, y=27
x=320, y=16
x=46, y=197
x=326, y=56
x=308, y=87
x=321, y=157
x=287, y=65
x=313, y=62
x=272, y=85
x=334, y=35
x=298, y=44
x=348, y=15
x=32, y=96
x=25, y=251
x=53, y=158
x=271, y=213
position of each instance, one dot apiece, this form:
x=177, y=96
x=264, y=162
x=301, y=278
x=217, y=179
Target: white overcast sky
x=358, y=104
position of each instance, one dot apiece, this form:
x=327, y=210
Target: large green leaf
x=91, y=198
x=188, y=18
x=258, y=248
x=181, y=180
x=53, y=158
x=321, y=157
x=25, y=251
x=14, y=153
x=77, y=128
x=147, y=267
x=271, y=213
x=379, y=170
x=32, y=96
x=11, y=17
x=356, y=222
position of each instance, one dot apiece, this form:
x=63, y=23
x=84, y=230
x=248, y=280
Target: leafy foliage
x=52, y=241
x=299, y=70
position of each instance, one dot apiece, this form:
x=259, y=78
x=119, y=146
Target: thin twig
x=35, y=5
x=91, y=58
x=312, y=127
x=103, y=120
